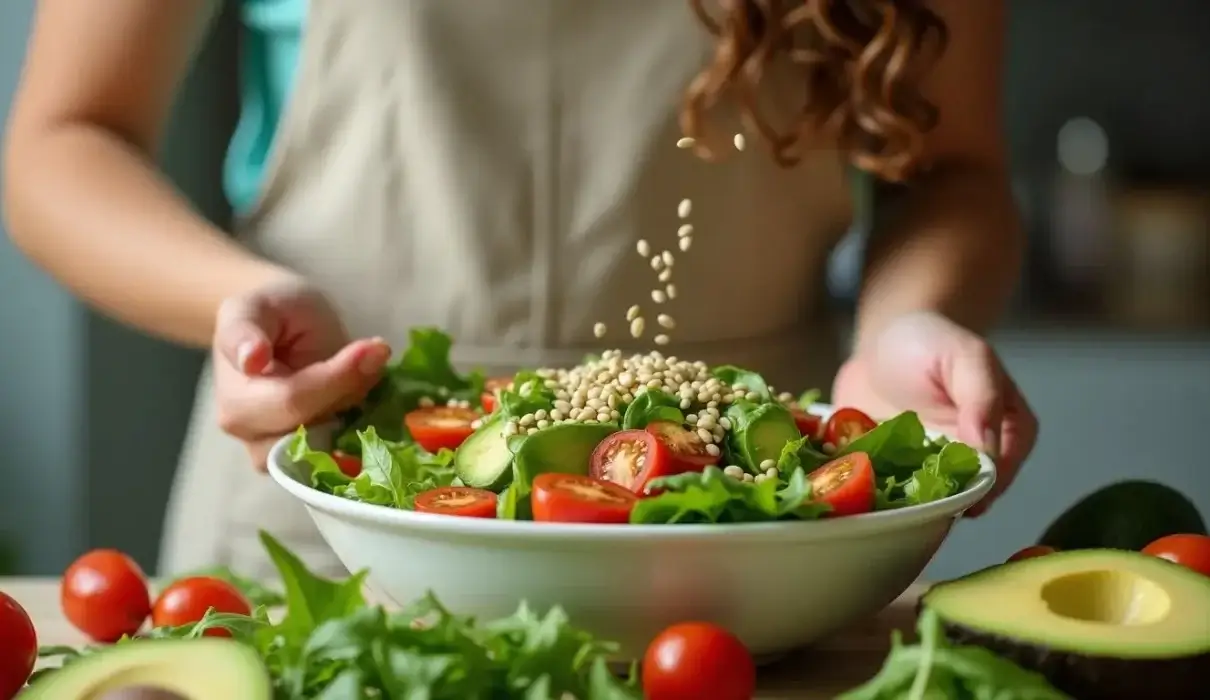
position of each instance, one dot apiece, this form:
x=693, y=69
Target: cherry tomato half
x=490, y=389
x=570, y=498
x=19, y=649
x=350, y=465
x=1192, y=551
x=698, y=660
x=809, y=424
x=688, y=450
x=1039, y=550
x=846, y=425
x=104, y=595
x=458, y=500
x=630, y=459
x=846, y=483
x=440, y=427
x=187, y=600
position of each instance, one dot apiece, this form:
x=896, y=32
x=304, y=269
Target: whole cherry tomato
x=695, y=660
x=1192, y=551
x=18, y=647
x=187, y=600
x=104, y=595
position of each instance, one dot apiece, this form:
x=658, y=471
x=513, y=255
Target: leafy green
x=528, y=395
x=809, y=398
x=331, y=645
x=758, y=432
x=934, y=669
x=651, y=406
x=713, y=497
x=752, y=381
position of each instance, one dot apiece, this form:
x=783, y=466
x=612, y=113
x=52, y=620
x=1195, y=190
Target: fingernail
x=991, y=443
x=242, y=353
x=373, y=359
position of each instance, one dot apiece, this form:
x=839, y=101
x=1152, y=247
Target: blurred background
x=1108, y=114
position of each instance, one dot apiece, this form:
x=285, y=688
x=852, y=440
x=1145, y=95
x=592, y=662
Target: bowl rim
x=282, y=470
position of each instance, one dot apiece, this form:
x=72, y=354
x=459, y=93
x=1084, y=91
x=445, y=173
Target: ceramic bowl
x=778, y=586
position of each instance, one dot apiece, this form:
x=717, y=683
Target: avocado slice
x=194, y=669
x=1125, y=515
x=566, y=448
x=759, y=432
x=483, y=460
x=1099, y=624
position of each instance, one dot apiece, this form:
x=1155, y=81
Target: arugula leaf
x=942, y=475
x=320, y=462
x=752, y=381
x=809, y=398
x=800, y=454
x=528, y=395
x=713, y=497
x=393, y=473
x=651, y=406
x=897, y=446
x=310, y=600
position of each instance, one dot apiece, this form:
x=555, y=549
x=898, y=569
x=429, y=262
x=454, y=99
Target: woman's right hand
x=282, y=358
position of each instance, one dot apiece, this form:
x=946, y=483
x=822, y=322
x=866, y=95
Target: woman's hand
x=953, y=379
x=282, y=358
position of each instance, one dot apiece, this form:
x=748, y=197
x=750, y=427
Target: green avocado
x=1126, y=515
x=1099, y=624
x=759, y=432
x=566, y=448
x=194, y=669
x=484, y=460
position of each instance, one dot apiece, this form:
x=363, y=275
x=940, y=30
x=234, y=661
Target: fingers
x=244, y=333
x=268, y=406
x=1019, y=434
x=977, y=385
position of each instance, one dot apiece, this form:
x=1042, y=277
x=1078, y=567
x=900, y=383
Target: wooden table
x=820, y=673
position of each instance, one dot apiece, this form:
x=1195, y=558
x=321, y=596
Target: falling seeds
x=666, y=256
x=685, y=142
x=665, y=321
x=739, y=142
x=684, y=230
x=661, y=339
x=657, y=262
x=637, y=326
x=685, y=244
x=659, y=296
x=599, y=330
x=669, y=291
x=665, y=274
x=643, y=247
x=633, y=312
x=684, y=209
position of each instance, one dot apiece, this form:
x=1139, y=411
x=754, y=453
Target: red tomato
x=695, y=660
x=846, y=483
x=570, y=498
x=630, y=459
x=458, y=500
x=846, y=425
x=809, y=424
x=1192, y=551
x=440, y=427
x=350, y=465
x=689, y=453
x=104, y=594
x=187, y=600
x=19, y=650
x=490, y=388
x=1039, y=550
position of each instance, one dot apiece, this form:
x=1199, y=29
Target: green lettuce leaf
x=713, y=497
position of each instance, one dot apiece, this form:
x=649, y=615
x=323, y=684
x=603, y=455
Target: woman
x=489, y=166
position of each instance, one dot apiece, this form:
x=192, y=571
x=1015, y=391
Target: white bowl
x=777, y=586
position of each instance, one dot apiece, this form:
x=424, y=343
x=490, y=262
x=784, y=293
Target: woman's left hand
x=953, y=379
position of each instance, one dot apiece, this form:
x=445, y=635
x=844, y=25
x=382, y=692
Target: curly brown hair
x=862, y=63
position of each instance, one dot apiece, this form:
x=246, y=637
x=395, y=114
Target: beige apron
x=488, y=166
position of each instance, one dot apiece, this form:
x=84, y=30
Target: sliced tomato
x=630, y=459
x=809, y=424
x=846, y=483
x=846, y=425
x=440, y=426
x=350, y=465
x=688, y=450
x=458, y=500
x=490, y=389
x=571, y=498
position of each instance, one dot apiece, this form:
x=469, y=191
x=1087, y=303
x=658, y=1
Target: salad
x=641, y=439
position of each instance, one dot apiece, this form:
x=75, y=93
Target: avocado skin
x=1097, y=677
x=1125, y=515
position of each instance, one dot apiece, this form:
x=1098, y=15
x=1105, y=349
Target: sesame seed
x=666, y=256
x=660, y=339
x=739, y=142
x=643, y=247
x=633, y=312
x=733, y=471
x=599, y=329
x=657, y=263
x=684, y=230
x=669, y=291
x=684, y=244
x=659, y=296
x=713, y=450
x=706, y=436
x=684, y=209
x=771, y=473
x=768, y=464
x=542, y=424
x=637, y=325
x=665, y=321
x=724, y=423
x=665, y=274
x=684, y=142
x=531, y=431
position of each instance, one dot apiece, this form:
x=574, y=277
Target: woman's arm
x=951, y=241
x=82, y=195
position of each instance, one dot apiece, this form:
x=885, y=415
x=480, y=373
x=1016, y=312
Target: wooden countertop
x=819, y=673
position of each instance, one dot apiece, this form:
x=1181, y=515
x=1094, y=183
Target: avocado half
x=194, y=669
x=1099, y=624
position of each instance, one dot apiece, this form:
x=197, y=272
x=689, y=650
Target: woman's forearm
x=93, y=211
x=952, y=243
